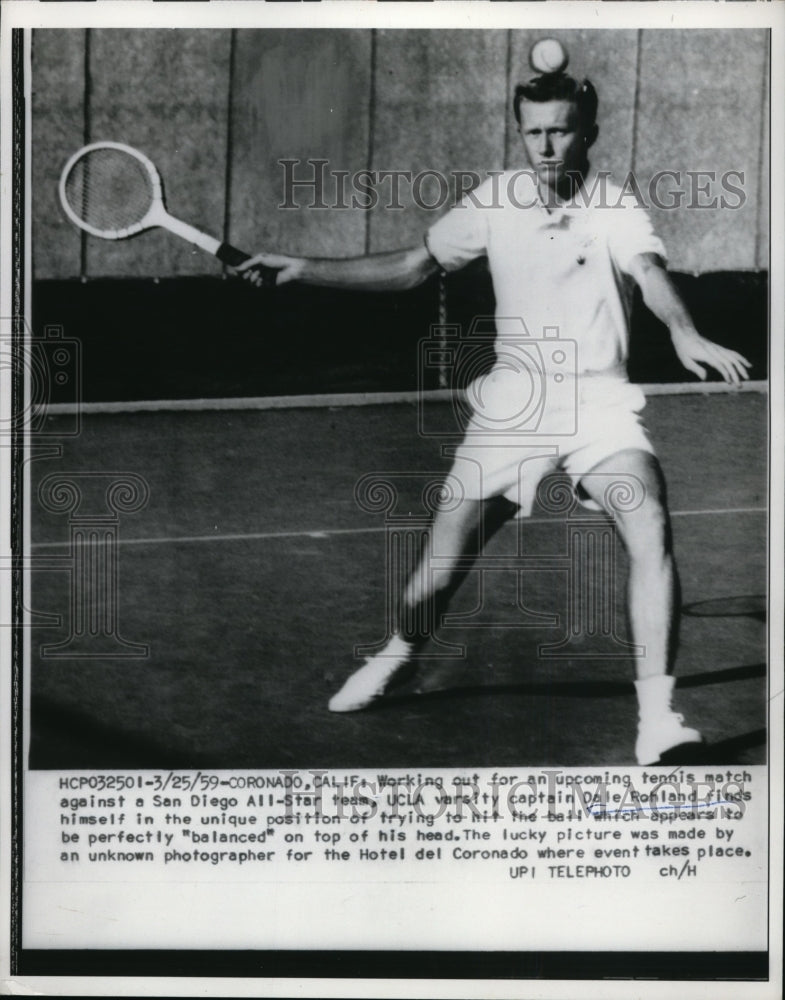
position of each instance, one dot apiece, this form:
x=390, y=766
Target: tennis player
x=565, y=249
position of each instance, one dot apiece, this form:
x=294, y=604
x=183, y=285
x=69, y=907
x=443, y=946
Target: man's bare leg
x=427, y=588
x=651, y=598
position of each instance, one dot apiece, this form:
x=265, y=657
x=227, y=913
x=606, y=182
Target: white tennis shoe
x=660, y=728
x=374, y=678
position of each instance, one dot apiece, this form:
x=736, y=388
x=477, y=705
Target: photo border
x=355, y=972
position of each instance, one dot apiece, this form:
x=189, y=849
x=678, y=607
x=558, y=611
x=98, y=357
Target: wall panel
x=167, y=93
x=58, y=92
x=700, y=109
x=298, y=95
x=393, y=100
x=439, y=100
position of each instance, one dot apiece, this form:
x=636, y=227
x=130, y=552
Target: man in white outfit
x=565, y=249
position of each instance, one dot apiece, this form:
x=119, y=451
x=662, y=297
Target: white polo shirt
x=565, y=268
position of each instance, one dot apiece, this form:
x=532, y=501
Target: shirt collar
x=556, y=212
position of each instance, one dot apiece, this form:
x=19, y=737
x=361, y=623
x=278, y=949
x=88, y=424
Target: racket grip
x=230, y=255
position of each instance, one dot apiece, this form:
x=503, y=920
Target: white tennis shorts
x=598, y=416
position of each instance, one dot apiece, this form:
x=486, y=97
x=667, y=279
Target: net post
x=443, y=380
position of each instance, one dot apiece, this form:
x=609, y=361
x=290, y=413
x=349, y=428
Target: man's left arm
x=693, y=350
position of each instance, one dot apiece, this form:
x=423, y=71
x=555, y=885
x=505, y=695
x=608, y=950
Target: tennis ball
x=548, y=56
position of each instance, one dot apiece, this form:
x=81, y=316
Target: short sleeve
x=461, y=235
x=632, y=233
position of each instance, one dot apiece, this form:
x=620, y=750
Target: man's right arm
x=382, y=272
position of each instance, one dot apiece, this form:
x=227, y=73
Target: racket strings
x=109, y=190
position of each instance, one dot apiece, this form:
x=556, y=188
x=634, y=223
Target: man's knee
x=641, y=510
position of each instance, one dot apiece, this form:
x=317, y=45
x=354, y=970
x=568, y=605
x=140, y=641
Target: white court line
x=317, y=533
x=353, y=399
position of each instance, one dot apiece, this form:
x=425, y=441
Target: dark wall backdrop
x=217, y=109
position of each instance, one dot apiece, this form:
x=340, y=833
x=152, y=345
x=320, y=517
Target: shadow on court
x=251, y=574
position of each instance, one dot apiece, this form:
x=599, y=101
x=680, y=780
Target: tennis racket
x=113, y=191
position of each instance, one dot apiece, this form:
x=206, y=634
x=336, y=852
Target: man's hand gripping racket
x=285, y=268
x=113, y=191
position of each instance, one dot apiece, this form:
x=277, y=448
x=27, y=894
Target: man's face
x=554, y=140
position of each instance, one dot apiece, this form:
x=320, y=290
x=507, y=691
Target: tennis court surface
x=252, y=573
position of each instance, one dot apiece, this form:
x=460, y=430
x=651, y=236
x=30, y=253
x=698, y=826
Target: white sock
x=654, y=695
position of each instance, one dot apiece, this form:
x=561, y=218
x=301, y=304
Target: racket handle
x=230, y=255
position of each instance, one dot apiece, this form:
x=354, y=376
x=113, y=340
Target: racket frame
x=155, y=216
